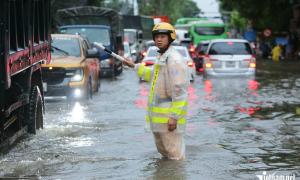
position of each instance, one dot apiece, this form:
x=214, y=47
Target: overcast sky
x=209, y=7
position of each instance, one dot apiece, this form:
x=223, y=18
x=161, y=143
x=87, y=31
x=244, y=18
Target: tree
x=263, y=13
x=172, y=8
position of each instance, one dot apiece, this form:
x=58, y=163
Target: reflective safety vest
x=157, y=114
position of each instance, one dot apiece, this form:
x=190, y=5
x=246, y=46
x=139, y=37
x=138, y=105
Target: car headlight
x=78, y=75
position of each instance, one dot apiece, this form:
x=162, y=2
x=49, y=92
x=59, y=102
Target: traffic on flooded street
x=237, y=128
x=162, y=90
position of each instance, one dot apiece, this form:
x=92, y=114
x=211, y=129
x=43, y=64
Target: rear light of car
x=252, y=62
x=192, y=49
x=190, y=64
x=208, y=65
x=252, y=65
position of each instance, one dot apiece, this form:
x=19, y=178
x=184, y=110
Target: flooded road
x=237, y=128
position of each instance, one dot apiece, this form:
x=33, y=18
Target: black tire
x=34, y=118
x=98, y=85
x=193, y=78
x=89, y=90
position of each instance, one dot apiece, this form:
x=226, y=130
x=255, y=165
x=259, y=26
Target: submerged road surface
x=237, y=128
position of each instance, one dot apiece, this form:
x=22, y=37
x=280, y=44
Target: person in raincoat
x=276, y=53
x=167, y=103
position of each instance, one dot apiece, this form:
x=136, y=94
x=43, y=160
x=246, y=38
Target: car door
x=92, y=64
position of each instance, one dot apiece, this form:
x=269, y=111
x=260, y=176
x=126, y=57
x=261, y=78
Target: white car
x=152, y=54
x=229, y=57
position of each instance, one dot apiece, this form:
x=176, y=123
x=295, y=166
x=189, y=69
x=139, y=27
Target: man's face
x=161, y=41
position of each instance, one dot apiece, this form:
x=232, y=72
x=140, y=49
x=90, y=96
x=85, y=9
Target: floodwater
x=237, y=129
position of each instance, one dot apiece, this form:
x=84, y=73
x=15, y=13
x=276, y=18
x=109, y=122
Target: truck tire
x=34, y=118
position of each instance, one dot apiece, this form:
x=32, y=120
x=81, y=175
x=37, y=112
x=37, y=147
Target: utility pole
x=135, y=7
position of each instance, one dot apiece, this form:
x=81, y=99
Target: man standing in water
x=167, y=103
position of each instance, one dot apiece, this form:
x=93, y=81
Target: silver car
x=152, y=54
x=229, y=57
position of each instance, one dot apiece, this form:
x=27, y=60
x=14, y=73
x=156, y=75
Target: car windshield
x=210, y=30
x=130, y=37
x=126, y=48
x=231, y=48
x=65, y=46
x=201, y=48
x=92, y=34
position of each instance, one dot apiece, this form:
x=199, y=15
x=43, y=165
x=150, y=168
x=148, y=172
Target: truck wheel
x=34, y=118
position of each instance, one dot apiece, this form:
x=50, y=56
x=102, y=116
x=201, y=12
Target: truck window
x=92, y=34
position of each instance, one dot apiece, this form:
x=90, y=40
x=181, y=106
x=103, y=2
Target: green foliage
x=264, y=13
x=236, y=20
x=172, y=8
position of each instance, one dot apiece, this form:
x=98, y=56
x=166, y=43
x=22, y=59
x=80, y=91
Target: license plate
x=230, y=64
x=45, y=86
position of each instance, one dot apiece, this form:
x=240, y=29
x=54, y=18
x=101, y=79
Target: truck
x=137, y=31
x=133, y=34
x=24, y=47
x=97, y=24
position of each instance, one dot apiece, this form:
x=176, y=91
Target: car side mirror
x=186, y=35
x=133, y=52
x=92, y=53
x=140, y=35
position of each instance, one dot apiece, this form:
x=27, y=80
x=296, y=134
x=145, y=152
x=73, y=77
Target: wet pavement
x=237, y=128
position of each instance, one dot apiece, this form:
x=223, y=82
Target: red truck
x=24, y=46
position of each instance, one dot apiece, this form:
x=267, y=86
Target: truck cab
x=97, y=24
x=134, y=37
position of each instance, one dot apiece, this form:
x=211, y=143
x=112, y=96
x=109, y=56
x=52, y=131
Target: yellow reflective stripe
x=147, y=74
x=141, y=70
x=164, y=120
x=156, y=71
x=160, y=110
x=168, y=110
x=178, y=111
x=147, y=119
x=179, y=103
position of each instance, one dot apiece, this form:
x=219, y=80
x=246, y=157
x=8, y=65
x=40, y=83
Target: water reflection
x=165, y=169
x=77, y=113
